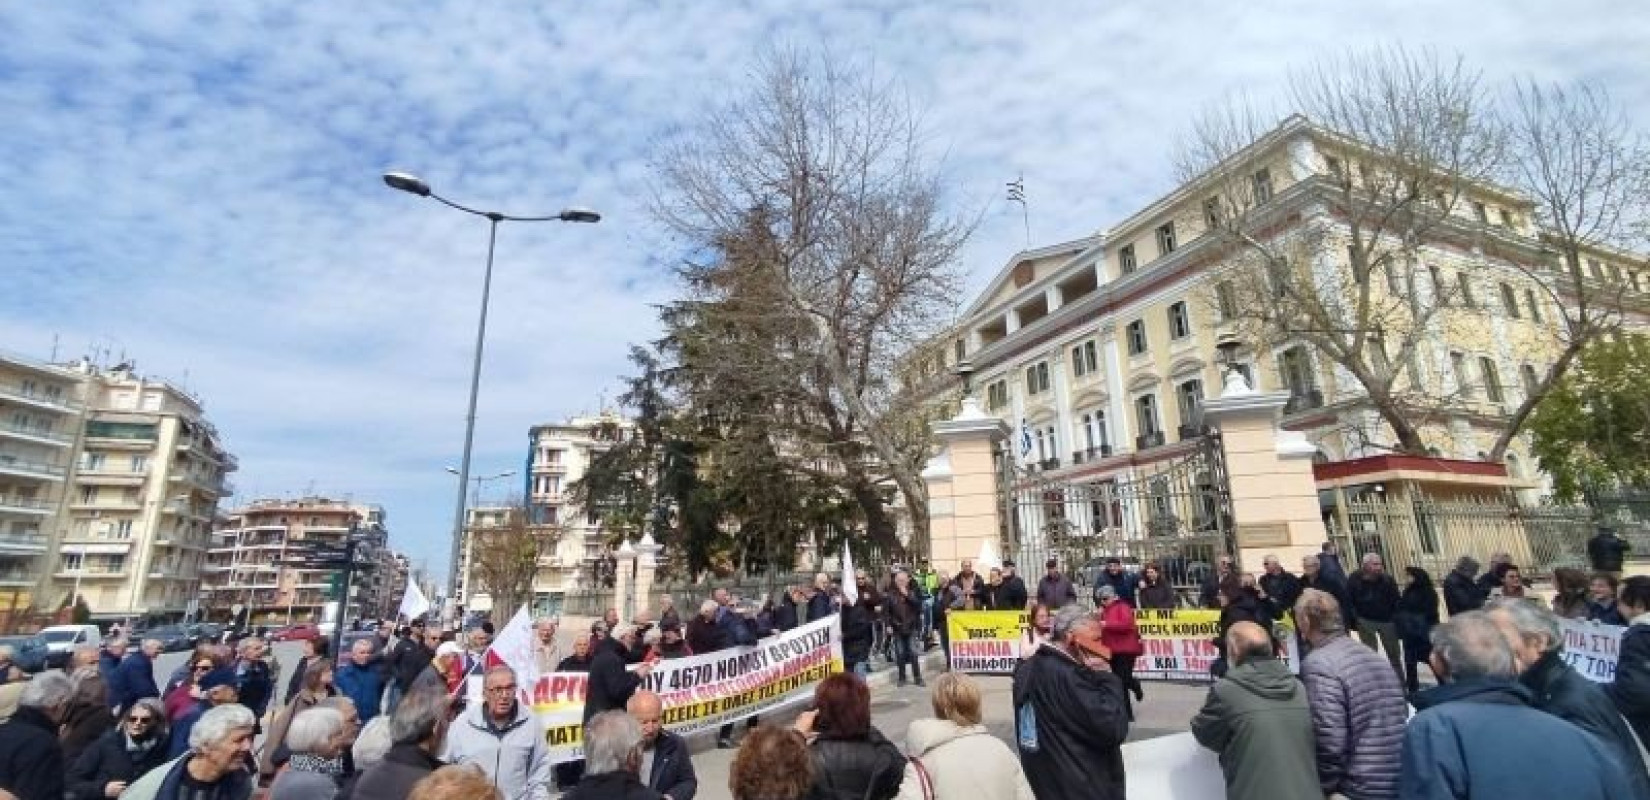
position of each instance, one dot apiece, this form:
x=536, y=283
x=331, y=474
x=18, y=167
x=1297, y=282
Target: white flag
x=850, y=588
x=413, y=602
x=514, y=648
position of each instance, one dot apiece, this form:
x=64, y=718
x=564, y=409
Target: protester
x=1121, y=581
x=31, y=759
x=1055, y=590
x=1154, y=591
x=410, y=656
x=1242, y=606
x=1417, y=616
x=313, y=650
x=368, y=750
x=444, y=672
x=1631, y=689
x=418, y=731
x=1015, y=597
x=1513, y=588
x=183, y=697
x=1257, y=719
x=784, y=613
x=1537, y=641
x=666, y=766
x=852, y=759
x=1461, y=593
x=1121, y=637
x=737, y=631
x=205, y=652
x=317, y=686
x=903, y=607
x=218, y=688
x=1570, y=593
x=476, y=642
x=995, y=592
x=1278, y=589
x=343, y=764
x=455, y=783
x=954, y=756
x=1329, y=563
x=670, y=643
x=213, y=764
x=859, y=628
x=1476, y=736
x=360, y=680
x=114, y=651
x=610, y=684
x=1225, y=578
x=122, y=755
x=1606, y=550
x=772, y=764
x=1490, y=581
x=613, y=755
x=1374, y=595
x=87, y=718
x=819, y=598
x=1357, y=703
x=503, y=738
x=255, y=678
x=1312, y=577
x=316, y=739
x=1601, y=600
x=134, y=679
x=1039, y=624
x=1070, y=717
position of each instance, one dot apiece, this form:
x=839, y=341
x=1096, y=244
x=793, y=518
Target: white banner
x=1591, y=648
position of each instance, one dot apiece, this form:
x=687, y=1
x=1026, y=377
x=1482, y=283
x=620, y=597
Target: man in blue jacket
x=134, y=679
x=1476, y=736
x=360, y=680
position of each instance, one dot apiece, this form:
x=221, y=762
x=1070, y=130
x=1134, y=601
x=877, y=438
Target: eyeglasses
x=501, y=690
x=141, y=720
x=203, y=667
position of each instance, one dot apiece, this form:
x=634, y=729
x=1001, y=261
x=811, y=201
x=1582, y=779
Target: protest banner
x=1591, y=648
x=704, y=690
x=987, y=642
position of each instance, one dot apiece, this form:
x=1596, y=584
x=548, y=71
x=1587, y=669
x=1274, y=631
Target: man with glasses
x=122, y=755
x=504, y=739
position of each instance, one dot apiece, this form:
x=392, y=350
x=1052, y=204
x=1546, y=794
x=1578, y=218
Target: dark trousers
x=945, y=640
x=906, y=649
x=1416, y=653
x=1123, y=668
x=726, y=731
x=568, y=774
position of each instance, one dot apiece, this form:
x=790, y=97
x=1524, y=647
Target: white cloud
x=199, y=181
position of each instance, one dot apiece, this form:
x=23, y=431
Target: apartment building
x=246, y=564
x=1098, y=352
x=41, y=408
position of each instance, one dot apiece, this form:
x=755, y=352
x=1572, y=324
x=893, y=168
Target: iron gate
x=1176, y=513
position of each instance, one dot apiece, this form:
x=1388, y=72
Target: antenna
x=1017, y=194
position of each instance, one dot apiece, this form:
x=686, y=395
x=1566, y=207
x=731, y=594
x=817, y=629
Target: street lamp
x=412, y=184
x=475, y=497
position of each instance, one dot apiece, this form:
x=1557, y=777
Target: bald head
x=1247, y=642
x=646, y=708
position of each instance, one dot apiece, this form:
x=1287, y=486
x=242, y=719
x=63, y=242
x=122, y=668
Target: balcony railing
x=1091, y=454
x=14, y=391
x=14, y=577
x=29, y=540
x=14, y=465
x=38, y=433
x=31, y=504
x=1146, y=441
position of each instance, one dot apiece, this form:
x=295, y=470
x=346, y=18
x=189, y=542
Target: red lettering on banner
x=1159, y=647
x=981, y=649
x=1195, y=648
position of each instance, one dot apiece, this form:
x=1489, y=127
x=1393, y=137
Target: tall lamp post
x=412, y=184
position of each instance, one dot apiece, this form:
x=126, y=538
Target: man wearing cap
x=1014, y=588
x=443, y=671
x=408, y=657
x=1055, y=589
x=217, y=688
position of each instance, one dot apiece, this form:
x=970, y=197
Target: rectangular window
x=996, y=395
x=1165, y=239
x=1596, y=268
x=1527, y=374
x=1295, y=368
x=1084, y=359
x=1263, y=186
x=1180, y=321
x=1211, y=212
x=1464, y=283
x=93, y=462
x=123, y=529
x=1137, y=337
x=1226, y=299
x=1189, y=398
x=1492, y=380
x=1507, y=219
x=1037, y=378
x=1458, y=367
x=1125, y=260
x=1479, y=211
x=1145, y=410
x=1509, y=301
x=88, y=494
x=1535, y=307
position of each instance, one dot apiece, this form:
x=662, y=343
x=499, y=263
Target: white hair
x=609, y=740
x=47, y=690
x=1472, y=646
x=313, y=728
x=218, y=722
x=372, y=743
x=1368, y=557
x=709, y=607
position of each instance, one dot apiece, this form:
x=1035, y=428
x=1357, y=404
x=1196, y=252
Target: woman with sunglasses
x=183, y=697
x=136, y=746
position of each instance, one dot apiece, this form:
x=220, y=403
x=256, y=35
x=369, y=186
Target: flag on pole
x=850, y=588
x=413, y=602
x=513, y=648
x=1025, y=438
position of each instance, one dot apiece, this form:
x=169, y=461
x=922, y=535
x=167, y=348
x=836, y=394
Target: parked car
x=29, y=652
x=61, y=640
x=205, y=633
x=296, y=633
x=172, y=638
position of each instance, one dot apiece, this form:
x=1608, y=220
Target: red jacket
x=1117, y=629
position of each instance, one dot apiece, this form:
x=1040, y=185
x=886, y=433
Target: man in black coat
x=411, y=655
x=1375, y=596
x=610, y=684
x=1461, y=593
x=1279, y=589
x=1015, y=596
x=418, y=731
x=819, y=598
x=31, y=760
x=1312, y=578
x=666, y=767
x=1606, y=551
x=1070, y=716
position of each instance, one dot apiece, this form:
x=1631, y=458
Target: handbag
x=923, y=778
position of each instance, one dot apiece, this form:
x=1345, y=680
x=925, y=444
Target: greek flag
x=1025, y=438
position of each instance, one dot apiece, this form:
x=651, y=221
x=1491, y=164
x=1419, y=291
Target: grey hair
x=372, y=743
x=1322, y=611
x=338, y=702
x=1368, y=557
x=419, y=716
x=1068, y=619
x=1106, y=592
x=708, y=607
x=1472, y=646
x=1468, y=564
x=118, y=641
x=1531, y=621
x=312, y=728
x=218, y=722
x=47, y=690
x=147, y=642
x=247, y=643
x=157, y=711
x=609, y=740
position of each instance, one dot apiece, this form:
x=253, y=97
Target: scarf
x=305, y=762
x=137, y=749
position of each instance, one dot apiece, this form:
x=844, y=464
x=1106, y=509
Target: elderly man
x=546, y=650
x=1225, y=579
x=503, y=738
x=31, y=760
x=668, y=612
x=134, y=679
x=1278, y=588
x=1071, y=715
x=411, y=654
x=1357, y=703
x=1461, y=593
x=476, y=642
x=1537, y=642
x=360, y=680
x=418, y=732
x=255, y=676
x=613, y=759
x=1121, y=581
x=1014, y=591
x=1312, y=577
x=1374, y=595
x=213, y=764
x=1476, y=736
x=666, y=767
x=819, y=598
x=1256, y=718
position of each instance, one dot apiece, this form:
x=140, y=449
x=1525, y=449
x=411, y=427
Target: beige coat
x=962, y=763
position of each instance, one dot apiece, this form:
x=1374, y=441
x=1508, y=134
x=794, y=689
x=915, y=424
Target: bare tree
x=504, y=557
x=833, y=163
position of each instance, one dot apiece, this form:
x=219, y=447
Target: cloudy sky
x=196, y=184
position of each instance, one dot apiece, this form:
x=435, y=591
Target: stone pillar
x=647, y=564
x=964, y=510
x=622, y=582
x=1274, y=495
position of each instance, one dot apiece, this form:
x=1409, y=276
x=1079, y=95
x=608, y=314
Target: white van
x=61, y=640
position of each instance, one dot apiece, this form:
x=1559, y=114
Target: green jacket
x=1256, y=718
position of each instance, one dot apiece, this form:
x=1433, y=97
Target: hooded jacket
x=963, y=763
x=514, y=756
x=1480, y=740
x=1070, y=723
x=1559, y=690
x=1358, y=714
x=1257, y=719
x=856, y=768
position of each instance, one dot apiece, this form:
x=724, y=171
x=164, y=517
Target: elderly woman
x=182, y=696
x=136, y=746
x=954, y=757
x=316, y=738
x=852, y=759
x=772, y=764
x=1121, y=636
x=88, y=716
x=317, y=686
x=214, y=768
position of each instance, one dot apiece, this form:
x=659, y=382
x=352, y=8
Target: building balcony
x=19, y=468
x=1146, y=441
x=1188, y=432
x=558, y=468
x=182, y=509
x=12, y=430
x=12, y=577
x=1091, y=454
x=91, y=574
x=28, y=506
x=15, y=393
x=110, y=504
x=216, y=487
x=14, y=543
x=549, y=497
x=109, y=477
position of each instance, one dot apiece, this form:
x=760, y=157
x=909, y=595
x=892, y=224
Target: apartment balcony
x=91, y=574
x=26, y=506
x=20, y=543
x=19, y=468
x=109, y=477
x=216, y=487
x=558, y=468
x=182, y=509
x=107, y=504
x=1188, y=432
x=12, y=577
x=1091, y=454
x=1146, y=441
x=1303, y=401
x=15, y=393
x=549, y=497
x=12, y=430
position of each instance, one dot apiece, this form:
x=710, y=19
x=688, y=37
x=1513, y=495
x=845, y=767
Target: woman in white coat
x=954, y=757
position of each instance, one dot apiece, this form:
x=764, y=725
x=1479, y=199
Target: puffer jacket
x=856, y=768
x=1358, y=715
x=1558, y=689
x=962, y=764
x=515, y=757
x=1257, y=719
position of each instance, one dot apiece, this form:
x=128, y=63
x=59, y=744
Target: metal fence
x=1434, y=534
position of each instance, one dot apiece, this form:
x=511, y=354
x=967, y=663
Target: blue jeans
x=906, y=648
x=862, y=668
x=927, y=617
